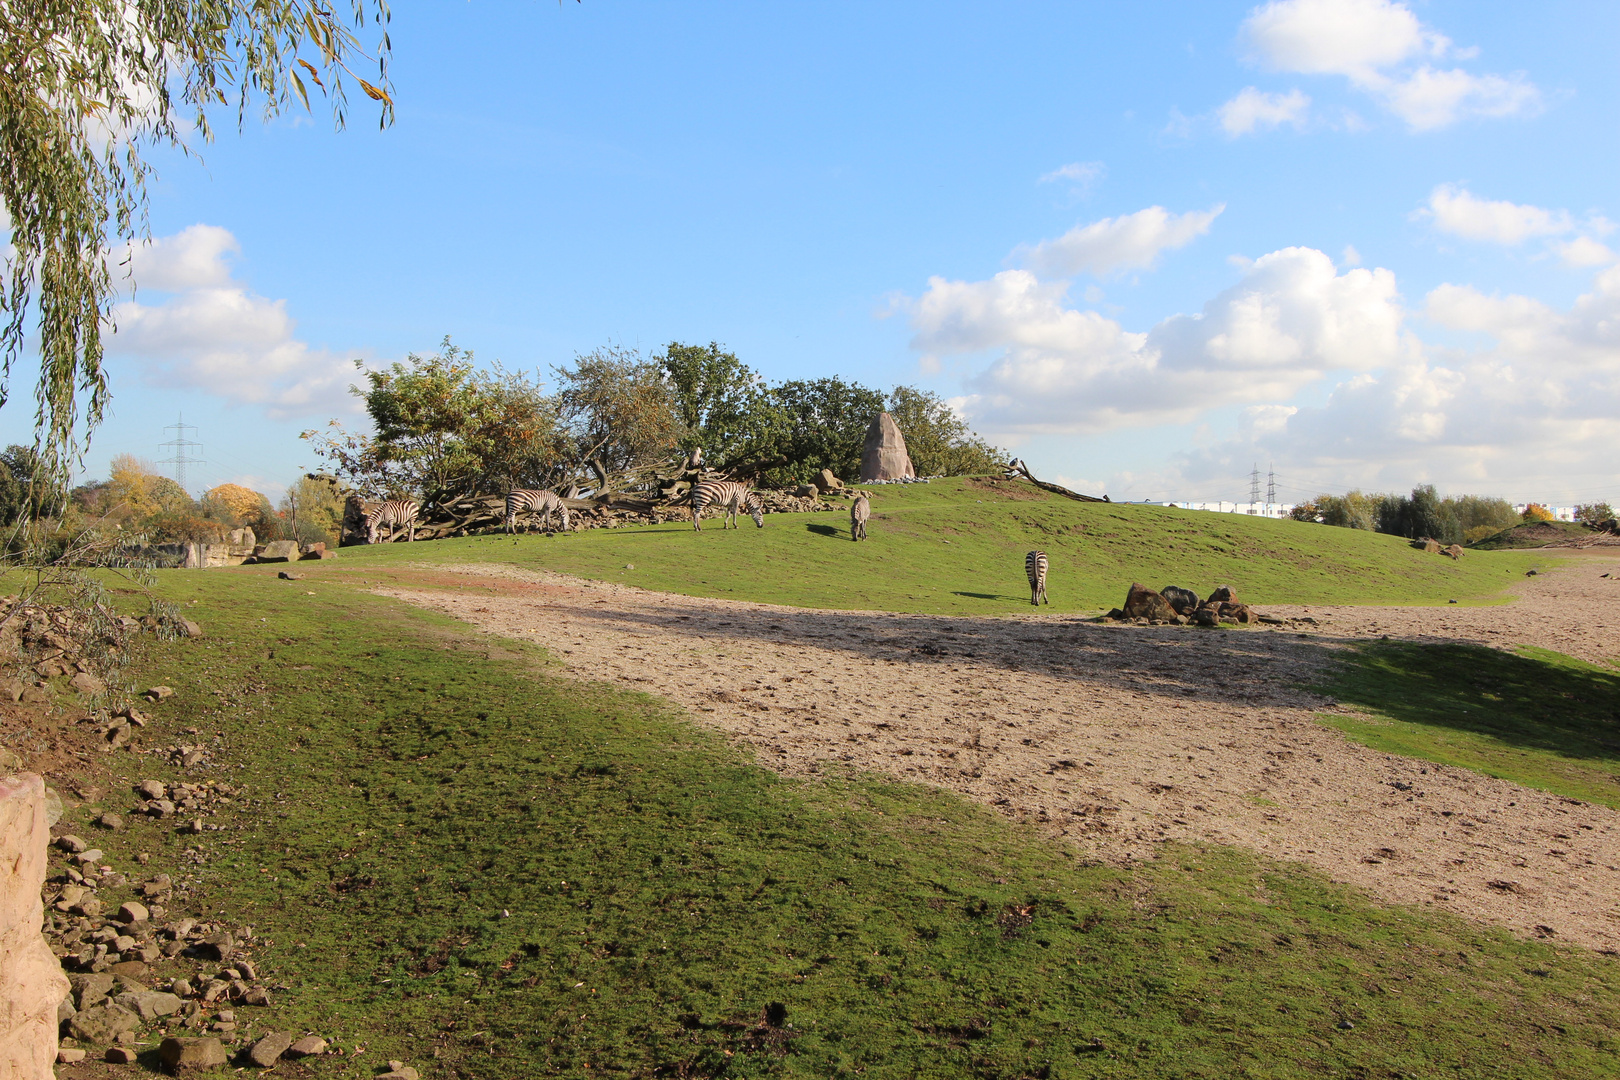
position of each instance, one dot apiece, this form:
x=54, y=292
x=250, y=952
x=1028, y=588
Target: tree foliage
x=1452, y=519
x=87, y=87
x=939, y=441
x=618, y=408
x=723, y=407
x=1536, y=512
x=1594, y=513
x=444, y=428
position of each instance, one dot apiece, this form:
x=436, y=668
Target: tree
x=25, y=491
x=939, y=441
x=619, y=409
x=240, y=501
x=1594, y=514
x=823, y=426
x=445, y=429
x=313, y=510
x=86, y=88
x=722, y=406
x=1536, y=512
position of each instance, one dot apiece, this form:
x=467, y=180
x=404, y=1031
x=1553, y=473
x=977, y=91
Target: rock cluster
x=1175, y=606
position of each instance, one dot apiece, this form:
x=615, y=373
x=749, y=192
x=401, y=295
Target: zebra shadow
x=993, y=596
x=829, y=530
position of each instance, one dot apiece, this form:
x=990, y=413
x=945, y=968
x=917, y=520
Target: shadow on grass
x=828, y=530
x=990, y=596
x=1533, y=716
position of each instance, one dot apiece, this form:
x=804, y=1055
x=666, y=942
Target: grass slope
x=957, y=547
x=1533, y=534
x=495, y=873
x=1534, y=716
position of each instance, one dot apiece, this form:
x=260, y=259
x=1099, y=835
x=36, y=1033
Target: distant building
x=1559, y=513
x=1275, y=510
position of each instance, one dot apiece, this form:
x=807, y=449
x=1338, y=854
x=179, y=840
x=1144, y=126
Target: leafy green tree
x=939, y=441
x=722, y=405
x=313, y=511
x=822, y=425
x=26, y=491
x=87, y=88
x=1594, y=513
x=619, y=409
x=443, y=429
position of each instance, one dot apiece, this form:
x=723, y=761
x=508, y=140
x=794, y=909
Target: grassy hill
x=957, y=547
x=453, y=858
x=1533, y=534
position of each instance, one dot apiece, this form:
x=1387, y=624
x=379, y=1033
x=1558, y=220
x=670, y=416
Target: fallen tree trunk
x=1017, y=469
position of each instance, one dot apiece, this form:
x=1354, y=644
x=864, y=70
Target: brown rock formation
x=31, y=981
x=884, y=456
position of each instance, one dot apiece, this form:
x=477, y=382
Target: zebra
x=391, y=512
x=858, y=515
x=729, y=494
x=1035, y=570
x=545, y=502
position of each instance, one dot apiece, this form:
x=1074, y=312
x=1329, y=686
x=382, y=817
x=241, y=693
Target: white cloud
x=1128, y=242
x=1291, y=320
x=1253, y=108
x=1374, y=43
x=1584, y=251
x=1457, y=211
x=191, y=258
x=1338, y=37
x=1541, y=400
x=217, y=336
x=1082, y=174
x=1428, y=99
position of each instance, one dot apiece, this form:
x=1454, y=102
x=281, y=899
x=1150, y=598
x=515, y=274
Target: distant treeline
x=1452, y=519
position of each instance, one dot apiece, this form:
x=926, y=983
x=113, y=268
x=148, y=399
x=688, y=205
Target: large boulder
x=825, y=481
x=1185, y=601
x=183, y=1055
x=1223, y=594
x=32, y=984
x=884, y=456
x=277, y=551
x=1143, y=603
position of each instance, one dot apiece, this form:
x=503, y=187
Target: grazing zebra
x=391, y=512
x=858, y=515
x=546, y=502
x=729, y=494
x=1035, y=570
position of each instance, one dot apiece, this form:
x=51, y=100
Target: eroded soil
x=1116, y=738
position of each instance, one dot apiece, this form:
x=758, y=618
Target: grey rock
x=88, y=685
x=181, y=987
x=160, y=693
x=182, y=1054
x=121, y=1055
x=102, y=1023
x=153, y=789
x=218, y=946
x=150, y=1005
x=91, y=988
x=65, y=1010
x=71, y=844
x=308, y=1046
x=268, y=1050
x=53, y=807
x=883, y=456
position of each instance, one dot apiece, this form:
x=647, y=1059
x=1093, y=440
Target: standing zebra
x=545, y=502
x=729, y=494
x=1035, y=570
x=391, y=512
x=858, y=515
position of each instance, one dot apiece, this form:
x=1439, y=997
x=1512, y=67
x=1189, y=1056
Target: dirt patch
x=1117, y=738
x=1011, y=490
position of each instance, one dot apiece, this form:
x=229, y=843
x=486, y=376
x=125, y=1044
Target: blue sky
x=1367, y=243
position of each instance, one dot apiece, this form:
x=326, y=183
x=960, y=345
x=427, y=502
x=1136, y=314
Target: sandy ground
x=1117, y=738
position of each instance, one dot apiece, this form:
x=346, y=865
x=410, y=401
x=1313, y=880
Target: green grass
x=954, y=547
x=467, y=862
x=1533, y=716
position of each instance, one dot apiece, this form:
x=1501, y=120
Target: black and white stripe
x=729, y=494
x=392, y=513
x=859, y=513
x=545, y=503
x=1035, y=570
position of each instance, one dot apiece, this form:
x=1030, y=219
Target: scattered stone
x=1206, y=616
x=190, y=629
x=153, y=789
x=179, y=1054
x=308, y=1046
x=64, y=1010
x=1531, y=573
x=1143, y=603
x=121, y=1055
x=398, y=1070
x=160, y=808
x=90, y=857
x=268, y=1050
x=1185, y=601
x=1223, y=594
x=110, y=821
x=91, y=988
x=131, y=912
x=102, y=1023
x=180, y=988
x=129, y=969
x=256, y=995
x=245, y=969
x=285, y=576
x=71, y=844
x=69, y=1056
x=160, y=693
x=88, y=685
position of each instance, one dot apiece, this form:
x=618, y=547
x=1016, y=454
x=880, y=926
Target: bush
x=1594, y=514
x=1536, y=512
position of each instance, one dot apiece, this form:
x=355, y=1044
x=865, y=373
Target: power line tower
x=179, y=445
x=1271, y=487
x=1254, y=487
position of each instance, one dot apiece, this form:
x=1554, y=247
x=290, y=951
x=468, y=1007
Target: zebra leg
x=567, y=525
x=697, y=516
